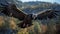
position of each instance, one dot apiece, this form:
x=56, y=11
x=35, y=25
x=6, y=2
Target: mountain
x=34, y=7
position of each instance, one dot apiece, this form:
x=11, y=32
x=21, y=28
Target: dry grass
x=1, y=21
x=12, y=23
x=8, y=22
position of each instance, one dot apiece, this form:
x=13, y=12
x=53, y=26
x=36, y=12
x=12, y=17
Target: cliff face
x=6, y=2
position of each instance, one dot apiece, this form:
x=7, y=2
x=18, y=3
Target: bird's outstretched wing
x=11, y=10
x=47, y=14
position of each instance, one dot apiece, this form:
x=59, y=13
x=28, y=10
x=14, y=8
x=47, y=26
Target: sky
x=52, y=1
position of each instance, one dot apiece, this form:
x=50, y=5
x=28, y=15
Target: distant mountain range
x=30, y=7
x=34, y=7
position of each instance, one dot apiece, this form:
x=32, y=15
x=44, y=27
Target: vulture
x=12, y=11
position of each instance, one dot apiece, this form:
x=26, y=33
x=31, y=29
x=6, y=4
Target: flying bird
x=12, y=11
x=45, y=14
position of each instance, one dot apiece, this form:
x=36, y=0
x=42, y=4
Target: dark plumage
x=26, y=22
x=11, y=10
x=50, y=14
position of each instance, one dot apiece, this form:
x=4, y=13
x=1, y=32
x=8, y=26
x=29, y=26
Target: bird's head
x=34, y=16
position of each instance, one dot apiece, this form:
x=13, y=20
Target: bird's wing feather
x=11, y=10
x=47, y=14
